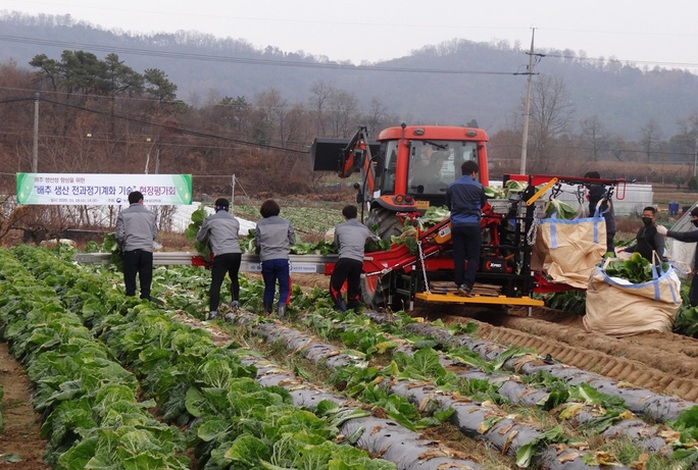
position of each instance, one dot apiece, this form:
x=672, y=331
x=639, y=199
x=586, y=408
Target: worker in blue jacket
x=465, y=198
x=222, y=230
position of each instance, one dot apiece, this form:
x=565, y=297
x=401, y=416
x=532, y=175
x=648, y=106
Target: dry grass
x=172, y=241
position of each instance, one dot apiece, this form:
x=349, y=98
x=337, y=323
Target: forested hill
x=449, y=83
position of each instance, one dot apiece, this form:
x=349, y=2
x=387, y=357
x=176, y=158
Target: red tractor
x=406, y=170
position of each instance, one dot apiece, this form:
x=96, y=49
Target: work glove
x=661, y=230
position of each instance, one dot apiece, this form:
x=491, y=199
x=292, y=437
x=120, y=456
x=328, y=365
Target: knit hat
x=694, y=212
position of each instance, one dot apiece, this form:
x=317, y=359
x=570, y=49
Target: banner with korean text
x=102, y=189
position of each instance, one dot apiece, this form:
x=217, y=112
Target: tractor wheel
x=387, y=222
x=375, y=292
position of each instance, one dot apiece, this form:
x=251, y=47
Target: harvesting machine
x=403, y=173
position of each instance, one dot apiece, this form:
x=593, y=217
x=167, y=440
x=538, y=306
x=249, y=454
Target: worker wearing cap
x=687, y=237
x=221, y=230
x=136, y=231
x=350, y=239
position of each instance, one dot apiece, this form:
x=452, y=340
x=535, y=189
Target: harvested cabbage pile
x=509, y=188
x=563, y=210
x=637, y=269
x=433, y=216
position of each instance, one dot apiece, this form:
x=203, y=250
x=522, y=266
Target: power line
x=320, y=65
x=182, y=130
x=622, y=61
x=241, y=60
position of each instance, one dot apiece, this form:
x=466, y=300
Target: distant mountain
x=449, y=83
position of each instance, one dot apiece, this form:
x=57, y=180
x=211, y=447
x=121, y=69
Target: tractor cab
x=421, y=169
x=405, y=170
x=433, y=165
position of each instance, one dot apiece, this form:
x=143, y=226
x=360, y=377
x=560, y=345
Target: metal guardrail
x=308, y=264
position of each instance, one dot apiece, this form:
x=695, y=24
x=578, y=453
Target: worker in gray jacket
x=350, y=239
x=221, y=230
x=136, y=231
x=273, y=238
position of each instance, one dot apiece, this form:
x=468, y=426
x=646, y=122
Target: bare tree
x=619, y=147
x=320, y=95
x=592, y=134
x=270, y=113
x=376, y=116
x=689, y=125
x=342, y=113
x=650, y=135
x=296, y=132
x=551, y=112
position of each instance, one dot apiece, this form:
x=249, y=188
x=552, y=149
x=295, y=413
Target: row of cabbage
x=420, y=374
x=77, y=335
x=577, y=406
x=413, y=358
x=91, y=416
x=507, y=376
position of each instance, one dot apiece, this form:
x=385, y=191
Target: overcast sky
x=642, y=31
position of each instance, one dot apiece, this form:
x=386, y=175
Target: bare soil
x=20, y=437
x=665, y=363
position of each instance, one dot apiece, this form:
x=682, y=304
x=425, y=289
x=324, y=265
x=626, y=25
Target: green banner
x=102, y=189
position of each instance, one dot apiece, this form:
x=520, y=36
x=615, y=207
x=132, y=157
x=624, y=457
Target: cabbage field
x=121, y=383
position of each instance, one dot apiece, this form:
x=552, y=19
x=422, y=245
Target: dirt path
x=663, y=363
x=20, y=439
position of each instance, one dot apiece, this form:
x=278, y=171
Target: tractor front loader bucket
x=325, y=154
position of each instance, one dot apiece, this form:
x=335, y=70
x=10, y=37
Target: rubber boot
x=281, y=311
x=267, y=308
x=340, y=305
x=354, y=305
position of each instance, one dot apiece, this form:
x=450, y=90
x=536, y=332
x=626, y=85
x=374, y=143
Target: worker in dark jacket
x=648, y=240
x=350, y=239
x=221, y=230
x=465, y=198
x=136, y=231
x=687, y=237
x=598, y=199
x=273, y=238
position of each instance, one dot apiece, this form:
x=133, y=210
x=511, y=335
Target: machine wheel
x=375, y=294
x=386, y=220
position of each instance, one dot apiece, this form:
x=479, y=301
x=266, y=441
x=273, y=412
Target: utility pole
x=147, y=155
x=35, y=150
x=232, y=193
x=527, y=104
x=695, y=157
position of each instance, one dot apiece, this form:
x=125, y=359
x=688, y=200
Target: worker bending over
x=350, y=239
